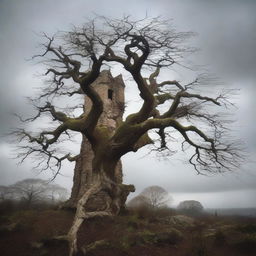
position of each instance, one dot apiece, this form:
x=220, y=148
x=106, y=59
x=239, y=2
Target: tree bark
x=101, y=195
x=83, y=176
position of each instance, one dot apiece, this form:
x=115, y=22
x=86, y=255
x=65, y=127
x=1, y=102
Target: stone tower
x=111, y=91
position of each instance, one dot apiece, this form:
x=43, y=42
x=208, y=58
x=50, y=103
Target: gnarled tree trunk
x=102, y=195
x=84, y=177
x=111, y=91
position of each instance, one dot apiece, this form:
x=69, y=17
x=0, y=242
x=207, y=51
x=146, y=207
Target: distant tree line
x=33, y=191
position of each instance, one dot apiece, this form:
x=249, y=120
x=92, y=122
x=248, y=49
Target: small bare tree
x=34, y=191
x=144, y=49
x=30, y=191
x=157, y=197
x=191, y=207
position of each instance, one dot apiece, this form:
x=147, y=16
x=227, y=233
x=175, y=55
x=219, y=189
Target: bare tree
x=191, y=207
x=30, y=191
x=34, y=191
x=156, y=196
x=143, y=48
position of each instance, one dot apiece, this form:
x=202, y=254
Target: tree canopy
x=151, y=197
x=191, y=207
x=145, y=49
x=156, y=196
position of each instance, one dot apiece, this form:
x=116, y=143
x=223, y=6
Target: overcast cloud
x=227, y=38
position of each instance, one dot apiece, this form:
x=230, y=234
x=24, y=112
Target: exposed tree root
x=102, y=184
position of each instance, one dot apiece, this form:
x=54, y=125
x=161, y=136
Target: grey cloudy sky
x=227, y=39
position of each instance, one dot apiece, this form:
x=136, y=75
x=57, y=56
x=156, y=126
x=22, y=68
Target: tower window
x=110, y=94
